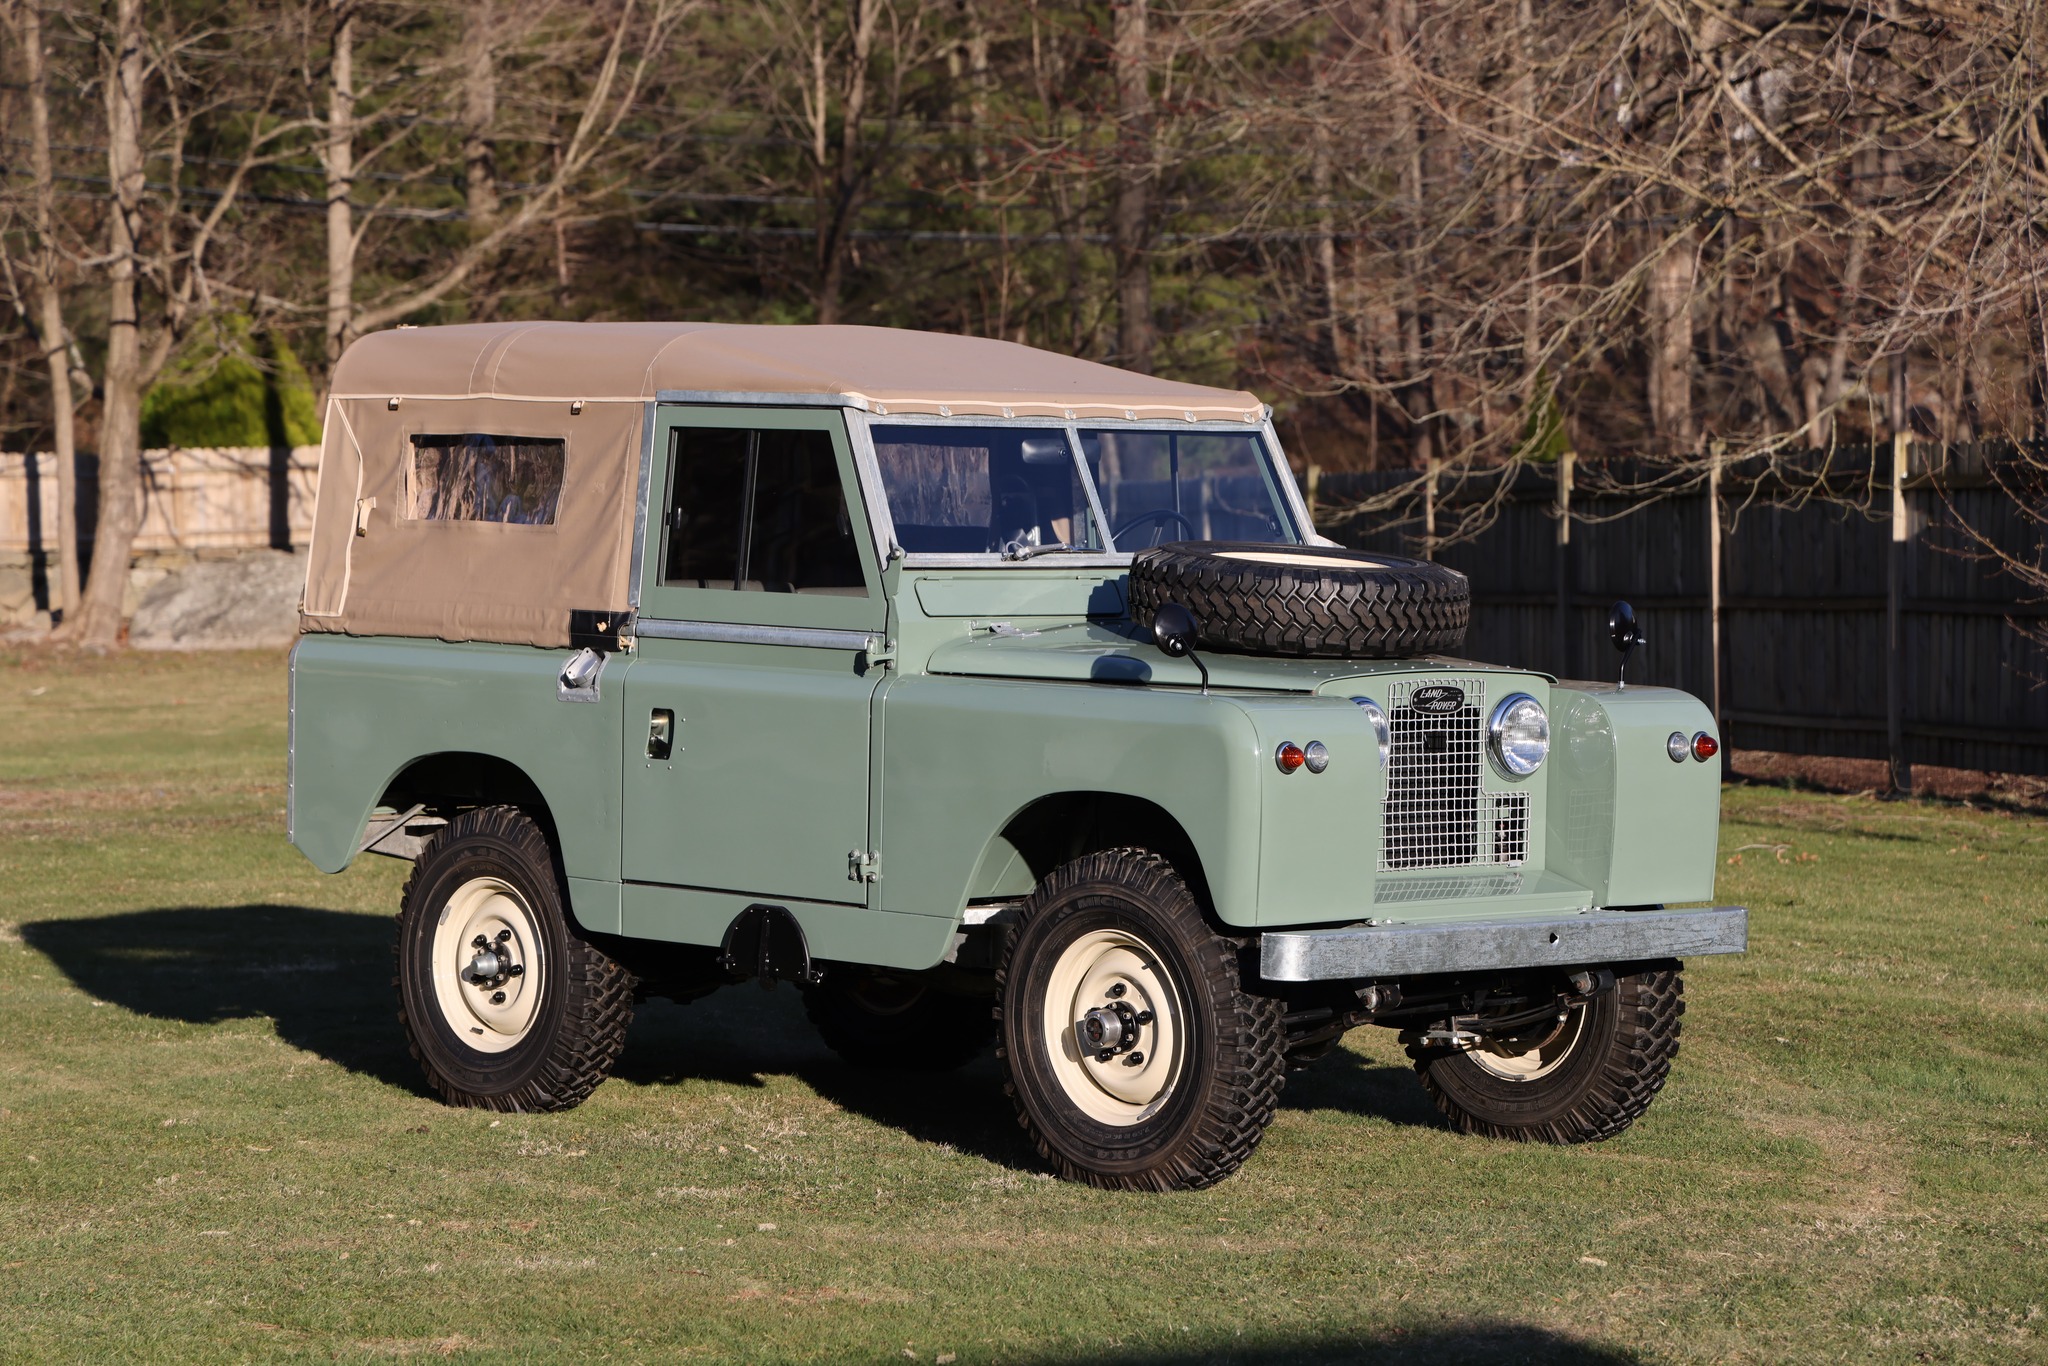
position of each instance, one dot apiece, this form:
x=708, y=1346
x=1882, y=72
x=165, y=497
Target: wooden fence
x=1832, y=607
x=1796, y=612
x=193, y=500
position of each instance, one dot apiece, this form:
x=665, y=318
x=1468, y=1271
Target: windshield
x=958, y=489
x=981, y=490
x=1184, y=486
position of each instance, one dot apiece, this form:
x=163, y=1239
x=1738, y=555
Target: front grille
x=1437, y=816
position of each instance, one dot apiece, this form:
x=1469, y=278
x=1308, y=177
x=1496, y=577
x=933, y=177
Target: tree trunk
x=1130, y=221
x=1672, y=279
x=839, y=174
x=480, y=115
x=120, y=512
x=1415, y=390
x=339, y=153
x=52, y=335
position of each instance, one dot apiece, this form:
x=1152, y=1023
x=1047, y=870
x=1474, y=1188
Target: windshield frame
x=860, y=424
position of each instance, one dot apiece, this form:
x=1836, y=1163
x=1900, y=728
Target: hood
x=1118, y=652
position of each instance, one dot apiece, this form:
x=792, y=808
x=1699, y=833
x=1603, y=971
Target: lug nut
x=503, y=935
x=1116, y=991
x=1143, y=1017
x=1105, y=1055
x=479, y=943
x=497, y=998
x=1134, y=1060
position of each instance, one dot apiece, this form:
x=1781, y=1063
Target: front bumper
x=1582, y=940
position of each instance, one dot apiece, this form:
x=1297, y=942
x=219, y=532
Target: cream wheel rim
x=488, y=965
x=1117, y=972
x=1532, y=1056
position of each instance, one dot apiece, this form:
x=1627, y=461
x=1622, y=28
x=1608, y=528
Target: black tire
x=898, y=1023
x=1616, y=1051
x=1349, y=604
x=1222, y=1077
x=584, y=1001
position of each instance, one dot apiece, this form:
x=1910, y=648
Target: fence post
x=1565, y=663
x=1714, y=595
x=1901, y=769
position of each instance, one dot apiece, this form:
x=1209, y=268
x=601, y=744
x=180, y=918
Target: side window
x=478, y=477
x=760, y=511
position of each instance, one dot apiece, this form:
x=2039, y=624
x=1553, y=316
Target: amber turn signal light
x=1705, y=747
x=1289, y=756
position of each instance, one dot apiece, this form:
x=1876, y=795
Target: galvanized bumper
x=1358, y=951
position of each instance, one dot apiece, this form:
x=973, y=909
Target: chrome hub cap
x=1115, y=1027
x=488, y=965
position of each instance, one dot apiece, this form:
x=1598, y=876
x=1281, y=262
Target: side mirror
x=1173, y=630
x=1626, y=635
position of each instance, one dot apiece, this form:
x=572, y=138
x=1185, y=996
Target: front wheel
x=1135, y=1058
x=505, y=1005
x=1577, y=1079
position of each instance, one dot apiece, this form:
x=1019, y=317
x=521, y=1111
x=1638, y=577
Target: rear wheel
x=505, y=1005
x=898, y=1023
x=1134, y=1057
x=1578, y=1079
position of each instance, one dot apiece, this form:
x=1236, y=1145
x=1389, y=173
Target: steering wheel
x=1160, y=515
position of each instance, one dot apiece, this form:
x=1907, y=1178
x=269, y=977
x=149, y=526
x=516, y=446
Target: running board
x=1583, y=940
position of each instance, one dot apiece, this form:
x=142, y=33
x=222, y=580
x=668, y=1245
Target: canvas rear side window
x=485, y=477
x=761, y=511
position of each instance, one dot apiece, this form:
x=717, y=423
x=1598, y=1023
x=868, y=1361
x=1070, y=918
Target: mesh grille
x=1436, y=814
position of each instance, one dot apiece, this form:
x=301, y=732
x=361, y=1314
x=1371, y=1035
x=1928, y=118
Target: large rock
x=249, y=602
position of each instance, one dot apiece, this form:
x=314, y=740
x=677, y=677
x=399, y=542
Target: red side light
x=1705, y=747
x=1289, y=756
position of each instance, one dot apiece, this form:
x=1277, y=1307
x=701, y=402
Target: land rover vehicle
x=987, y=695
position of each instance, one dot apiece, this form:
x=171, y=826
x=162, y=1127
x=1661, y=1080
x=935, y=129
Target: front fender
x=962, y=756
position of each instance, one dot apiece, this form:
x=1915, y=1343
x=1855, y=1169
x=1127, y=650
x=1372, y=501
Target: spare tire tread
x=1359, y=606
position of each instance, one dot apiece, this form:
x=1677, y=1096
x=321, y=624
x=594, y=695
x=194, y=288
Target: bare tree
x=24, y=19
x=1130, y=221
x=159, y=277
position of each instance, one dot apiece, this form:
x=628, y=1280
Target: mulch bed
x=1822, y=773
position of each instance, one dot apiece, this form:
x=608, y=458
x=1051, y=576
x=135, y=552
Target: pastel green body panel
x=880, y=751
x=366, y=709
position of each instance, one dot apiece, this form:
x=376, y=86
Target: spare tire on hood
x=1304, y=600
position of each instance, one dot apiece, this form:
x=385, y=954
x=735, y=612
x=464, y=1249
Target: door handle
x=661, y=733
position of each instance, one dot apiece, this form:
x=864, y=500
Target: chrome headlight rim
x=1516, y=764
x=1381, y=728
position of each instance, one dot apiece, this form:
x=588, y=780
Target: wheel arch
x=1062, y=826
x=452, y=780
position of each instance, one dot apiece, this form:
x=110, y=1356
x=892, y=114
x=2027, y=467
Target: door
x=749, y=706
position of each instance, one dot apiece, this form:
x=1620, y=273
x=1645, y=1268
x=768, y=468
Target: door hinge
x=861, y=866
x=880, y=650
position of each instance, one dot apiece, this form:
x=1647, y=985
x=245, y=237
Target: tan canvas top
x=383, y=561
x=887, y=370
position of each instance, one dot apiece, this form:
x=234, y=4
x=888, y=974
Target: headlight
x=1519, y=734
x=1379, y=725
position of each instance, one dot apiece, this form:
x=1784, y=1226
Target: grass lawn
x=214, y=1147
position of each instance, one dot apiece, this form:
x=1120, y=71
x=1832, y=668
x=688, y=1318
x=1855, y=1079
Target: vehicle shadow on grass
x=323, y=977
x=1479, y=1344
x=742, y=1035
